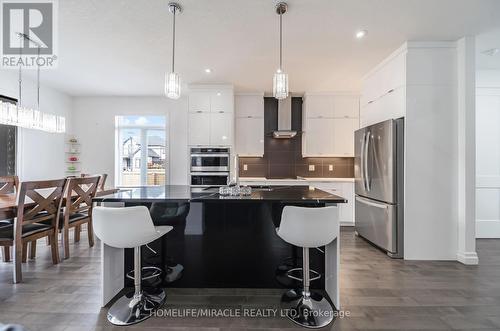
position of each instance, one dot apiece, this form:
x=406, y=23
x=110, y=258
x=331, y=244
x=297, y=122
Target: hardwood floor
x=378, y=293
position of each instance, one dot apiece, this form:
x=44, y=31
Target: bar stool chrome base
x=312, y=311
x=131, y=309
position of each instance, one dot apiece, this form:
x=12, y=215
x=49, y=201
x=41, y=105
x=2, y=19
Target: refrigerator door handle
x=365, y=159
x=371, y=203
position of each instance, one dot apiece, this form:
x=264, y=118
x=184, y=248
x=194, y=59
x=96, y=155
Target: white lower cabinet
x=345, y=190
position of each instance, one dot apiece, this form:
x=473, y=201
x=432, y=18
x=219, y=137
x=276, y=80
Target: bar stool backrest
x=124, y=227
x=309, y=227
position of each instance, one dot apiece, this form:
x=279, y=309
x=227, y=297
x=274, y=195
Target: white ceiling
x=123, y=47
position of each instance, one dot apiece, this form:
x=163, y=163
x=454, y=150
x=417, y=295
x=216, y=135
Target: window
x=8, y=136
x=141, y=150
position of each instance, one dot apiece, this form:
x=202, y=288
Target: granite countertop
x=298, y=180
x=180, y=193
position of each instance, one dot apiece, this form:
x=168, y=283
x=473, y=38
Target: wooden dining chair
x=38, y=211
x=78, y=208
x=102, y=179
x=8, y=185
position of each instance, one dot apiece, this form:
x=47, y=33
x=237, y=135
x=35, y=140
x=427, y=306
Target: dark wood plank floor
x=379, y=294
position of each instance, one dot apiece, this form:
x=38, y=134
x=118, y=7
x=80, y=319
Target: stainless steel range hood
x=284, y=120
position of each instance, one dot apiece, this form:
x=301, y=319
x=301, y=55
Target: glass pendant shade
x=172, y=86
x=280, y=85
x=11, y=114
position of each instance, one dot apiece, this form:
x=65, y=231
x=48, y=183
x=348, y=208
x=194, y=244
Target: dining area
x=46, y=211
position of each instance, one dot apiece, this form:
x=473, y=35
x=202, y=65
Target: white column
x=466, y=151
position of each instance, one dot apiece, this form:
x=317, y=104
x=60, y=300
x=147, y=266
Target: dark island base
x=231, y=245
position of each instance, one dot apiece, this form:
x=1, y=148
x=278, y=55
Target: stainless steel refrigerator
x=378, y=169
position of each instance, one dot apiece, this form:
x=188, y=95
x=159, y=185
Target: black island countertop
x=184, y=193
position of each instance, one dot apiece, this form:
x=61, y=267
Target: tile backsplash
x=283, y=157
x=343, y=167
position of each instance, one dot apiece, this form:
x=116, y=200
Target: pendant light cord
x=20, y=77
x=38, y=79
x=173, y=41
x=281, y=40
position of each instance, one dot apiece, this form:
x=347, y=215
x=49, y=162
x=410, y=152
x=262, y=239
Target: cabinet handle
x=199, y=111
x=390, y=91
x=370, y=101
x=249, y=116
x=221, y=111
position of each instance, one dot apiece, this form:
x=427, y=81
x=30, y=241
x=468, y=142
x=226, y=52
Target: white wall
x=40, y=154
x=93, y=123
x=488, y=154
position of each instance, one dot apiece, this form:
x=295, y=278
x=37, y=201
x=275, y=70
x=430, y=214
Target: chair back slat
x=39, y=201
x=102, y=179
x=9, y=184
x=79, y=195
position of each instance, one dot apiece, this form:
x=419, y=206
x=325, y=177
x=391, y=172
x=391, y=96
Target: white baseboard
x=469, y=258
x=346, y=223
x=487, y=228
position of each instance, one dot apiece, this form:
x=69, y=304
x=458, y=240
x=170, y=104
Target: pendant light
x=280, y=80
x=172, y=81
x=21, y=116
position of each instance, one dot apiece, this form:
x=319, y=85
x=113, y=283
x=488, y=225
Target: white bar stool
x=130, y=227
x=308, y=228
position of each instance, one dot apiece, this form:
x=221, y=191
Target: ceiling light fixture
x=172, y=81
x=361, y=34
x=25, y=117
x=491, y=51
x=208, y=70
x=280, y=80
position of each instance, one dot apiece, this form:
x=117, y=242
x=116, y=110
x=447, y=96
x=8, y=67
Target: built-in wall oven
x=209, y=166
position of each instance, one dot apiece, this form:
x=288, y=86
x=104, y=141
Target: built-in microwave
x=209, y=159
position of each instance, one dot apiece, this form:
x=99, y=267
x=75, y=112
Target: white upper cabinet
x=199, y=128
x=221, y=102
x=221, y=129
x=249, y=106
x=249, y=137
x=346, y=106
x=199, y=102
x=211, y=115
x=343, y=136
x=388, y=76
x=318, y=137
x=329, y=122
x=319, y=106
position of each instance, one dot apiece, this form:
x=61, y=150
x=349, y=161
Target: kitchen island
x=222, y=241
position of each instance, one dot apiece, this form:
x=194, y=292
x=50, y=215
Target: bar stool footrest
x=315, y=275
x=153, y=273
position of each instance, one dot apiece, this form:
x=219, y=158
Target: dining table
x=8, y=202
